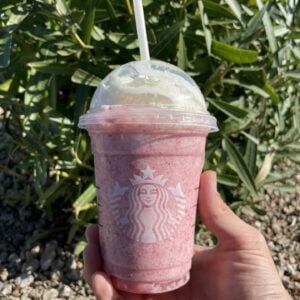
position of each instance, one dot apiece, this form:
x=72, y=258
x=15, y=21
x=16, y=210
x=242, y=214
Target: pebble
x=7, y=289
x=65, y=291
x=24, y=297
x=35, y=293
x=24, y=280
x=296, y=277
x=73, y=275
x=36, y=250
x=14, y=258
x=4, y=275
x=56, y=275
x=48, y=256
x=276, y=228
x=50, y=294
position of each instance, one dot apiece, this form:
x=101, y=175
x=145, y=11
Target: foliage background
x=245, y=56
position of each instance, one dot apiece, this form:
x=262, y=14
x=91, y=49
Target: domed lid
x=150, y=83
x=153, y=86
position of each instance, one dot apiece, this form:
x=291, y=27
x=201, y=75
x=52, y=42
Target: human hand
x=239, y=267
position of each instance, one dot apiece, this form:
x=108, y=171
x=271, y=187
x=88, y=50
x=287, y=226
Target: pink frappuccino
x=148, y=126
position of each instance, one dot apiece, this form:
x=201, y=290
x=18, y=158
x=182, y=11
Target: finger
x=92, y=234
x=102, y=287
x=218, y=217
x=92, y=261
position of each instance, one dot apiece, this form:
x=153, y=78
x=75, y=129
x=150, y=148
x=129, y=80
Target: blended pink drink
x=148, y=126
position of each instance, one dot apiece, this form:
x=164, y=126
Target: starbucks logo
x=147, y=210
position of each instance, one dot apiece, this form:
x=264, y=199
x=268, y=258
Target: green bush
x=243, y=54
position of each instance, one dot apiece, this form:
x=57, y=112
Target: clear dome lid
x=148, y=92
x=150, y=83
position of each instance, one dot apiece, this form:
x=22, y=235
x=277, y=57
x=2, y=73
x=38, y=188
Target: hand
x=240, y=267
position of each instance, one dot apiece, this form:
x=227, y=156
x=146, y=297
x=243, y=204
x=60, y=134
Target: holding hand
x=240, y=267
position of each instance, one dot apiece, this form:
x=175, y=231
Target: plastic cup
x=148, y=126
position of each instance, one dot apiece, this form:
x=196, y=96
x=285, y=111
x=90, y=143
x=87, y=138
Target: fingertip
x=92, y=233
x=102, y=286
x=209, y=180
x=92, y=261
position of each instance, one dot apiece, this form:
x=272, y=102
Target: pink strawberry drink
x=148, y=126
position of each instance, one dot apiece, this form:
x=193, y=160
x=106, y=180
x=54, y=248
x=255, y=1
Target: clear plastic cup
x=148, y=126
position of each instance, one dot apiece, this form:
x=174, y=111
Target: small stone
x=56, y=275
x=79, y=265
x=24, y=280
x=16, y=293
x=296, y=277
x=36, y=250
x=58, y=264
x=65, y=291
x=73, y=275
x=6, y=290
x=4, y=275
x=35, y=293
x=50, y=294
x=24, y=297
x=14, y=258
x=257, y=224
x=276, y=228
x=48, y=256
x=292, y=259
x=31, y=266
x=73, y=264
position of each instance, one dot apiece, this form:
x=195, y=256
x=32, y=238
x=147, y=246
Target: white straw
x=141, y=29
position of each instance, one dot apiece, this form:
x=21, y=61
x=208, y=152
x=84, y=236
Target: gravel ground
x=281, y=228
x=49, y=270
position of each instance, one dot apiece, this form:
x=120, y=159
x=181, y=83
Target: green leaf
x=85, y=198
x=293, y=74
x=228, y=180
x=80, y=246
x=236, y=9
x=233, y=54
x=165, y=38
x=268, y=28
x=88, y=21
x=83, y=77
x=52, y=68
x=5, y=45
x=215, y=9
x=16, y=18
x=62, y=8
x=81, y=104
x=273, y=95
x=229, y=109
x=251, y=152
x=254, y=25
x=182, y=60
x=207, y=33
x=241, y=168
x=257, y=90
x=110, y=9
x=284, y=188
x=259, y=210
x=277, y=177
x=232, y=126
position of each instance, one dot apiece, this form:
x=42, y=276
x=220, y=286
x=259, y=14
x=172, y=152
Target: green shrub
x=243, y=54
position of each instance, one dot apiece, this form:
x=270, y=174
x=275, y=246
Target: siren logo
x=147, y=210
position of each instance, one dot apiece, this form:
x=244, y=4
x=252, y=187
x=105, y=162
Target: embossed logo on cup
x=147, y=210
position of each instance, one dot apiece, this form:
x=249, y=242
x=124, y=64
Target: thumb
x=103, y=288
x=229, y=229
